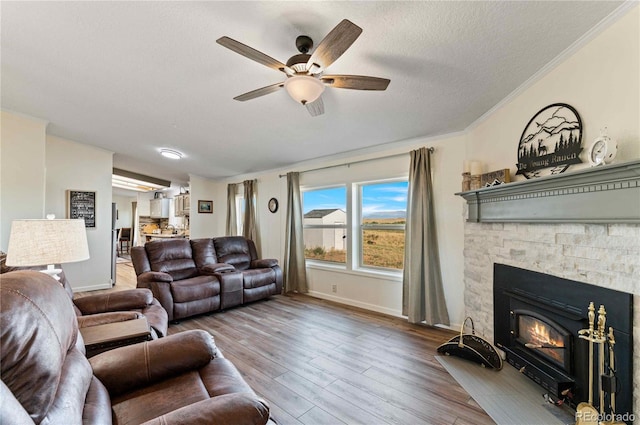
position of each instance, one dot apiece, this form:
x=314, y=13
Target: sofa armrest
x=217, y=268
x=117, y=301
x=263, y=263
x=109, y=317
x=129, y=368
x=148, y=277
x=157, y=317
x=235, y=408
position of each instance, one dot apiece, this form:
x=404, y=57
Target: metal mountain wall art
x=551, y=141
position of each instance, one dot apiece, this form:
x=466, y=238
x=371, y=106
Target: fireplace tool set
x=586, y=412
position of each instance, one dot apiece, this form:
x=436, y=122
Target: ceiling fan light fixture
x=303, y=88
x=170, y=153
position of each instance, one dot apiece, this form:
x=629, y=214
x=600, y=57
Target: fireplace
x=536, y=322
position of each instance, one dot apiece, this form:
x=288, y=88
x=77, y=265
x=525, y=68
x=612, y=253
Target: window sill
x=374, y=274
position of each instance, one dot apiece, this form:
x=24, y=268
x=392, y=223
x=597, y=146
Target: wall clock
x=602, y=151
x=273, y=205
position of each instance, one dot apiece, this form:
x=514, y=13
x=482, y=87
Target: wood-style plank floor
x=318, y=362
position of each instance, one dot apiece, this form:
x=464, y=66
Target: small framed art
x=82, y=204
x=205, y=207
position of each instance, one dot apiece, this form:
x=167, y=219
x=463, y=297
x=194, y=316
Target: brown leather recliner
x=46, y=378
x=205, y=275
x=118, y=306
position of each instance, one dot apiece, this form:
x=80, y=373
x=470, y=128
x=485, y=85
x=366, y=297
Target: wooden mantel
x=604, y=194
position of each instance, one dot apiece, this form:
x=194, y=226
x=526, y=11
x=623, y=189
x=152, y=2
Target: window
x=383, y=215
x=325, y=224
x=239, y=214
x=377, y=228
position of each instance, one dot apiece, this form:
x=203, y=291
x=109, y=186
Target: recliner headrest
x=37, y=328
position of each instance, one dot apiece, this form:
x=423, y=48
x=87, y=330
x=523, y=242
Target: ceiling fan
x=305, y=79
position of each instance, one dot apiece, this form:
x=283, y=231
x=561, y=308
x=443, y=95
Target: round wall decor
x=273, y=205
x=551, y=141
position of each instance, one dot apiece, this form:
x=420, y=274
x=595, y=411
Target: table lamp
x=47, y=242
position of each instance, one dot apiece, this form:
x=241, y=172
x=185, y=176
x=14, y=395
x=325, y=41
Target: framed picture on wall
x=82, y=204
x=205, y=207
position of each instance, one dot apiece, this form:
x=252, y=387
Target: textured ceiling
x=132, y=77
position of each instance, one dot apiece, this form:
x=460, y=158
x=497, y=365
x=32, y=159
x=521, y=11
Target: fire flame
x=539, y=333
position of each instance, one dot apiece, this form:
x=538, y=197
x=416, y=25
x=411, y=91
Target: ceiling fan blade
x=253, y=54
x=333, y=45
x=355, y=82
x=259, y=92
x=316, y=107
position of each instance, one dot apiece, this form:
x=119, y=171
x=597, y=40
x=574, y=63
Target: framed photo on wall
x=82, y=204
x=205, y=207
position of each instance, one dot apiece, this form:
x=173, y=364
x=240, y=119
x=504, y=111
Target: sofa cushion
x=204, y=252
x=174, y=257
x=133, y=408
x=218, y=380
x=256, y=278
x=233, y=250
x=195, y=288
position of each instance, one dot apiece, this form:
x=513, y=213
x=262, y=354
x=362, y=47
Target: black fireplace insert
x=536, y=322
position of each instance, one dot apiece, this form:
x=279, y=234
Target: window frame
x=354, y=263
x=359, y=226
x=345, y=227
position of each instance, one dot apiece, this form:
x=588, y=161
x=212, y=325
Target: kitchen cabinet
x=182, y=205
x=159, y=208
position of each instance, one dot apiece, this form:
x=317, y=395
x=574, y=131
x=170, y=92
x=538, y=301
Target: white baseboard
x=355, y=303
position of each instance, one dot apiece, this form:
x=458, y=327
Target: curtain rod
x=431, y=150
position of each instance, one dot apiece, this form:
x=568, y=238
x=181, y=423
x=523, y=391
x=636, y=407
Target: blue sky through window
x=379, y=200
x=324, y=199
x=384, y=200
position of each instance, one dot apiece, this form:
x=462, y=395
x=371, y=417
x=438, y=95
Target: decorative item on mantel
x=495, y=178
x=471, y=175
x=603, y=150
x=551, y=141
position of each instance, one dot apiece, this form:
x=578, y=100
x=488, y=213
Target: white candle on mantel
x=466, y=166
x=476, y=168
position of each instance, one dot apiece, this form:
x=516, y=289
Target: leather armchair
x=120, y=306
x=182, y=378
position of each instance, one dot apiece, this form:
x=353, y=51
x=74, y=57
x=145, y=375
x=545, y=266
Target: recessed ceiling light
x=170, y=153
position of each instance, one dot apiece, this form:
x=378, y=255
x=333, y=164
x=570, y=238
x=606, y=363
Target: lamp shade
x=44, y=242
x=303, y=88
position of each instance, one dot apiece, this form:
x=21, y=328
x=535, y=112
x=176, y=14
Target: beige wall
x=124, y=209
x=601, y=81
x=207, y=225
x=22, y=170
x=76, y=166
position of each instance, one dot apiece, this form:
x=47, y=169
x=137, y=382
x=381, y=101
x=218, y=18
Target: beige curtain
x=232, y=217
x=422, y=292
x=295, y=273
x=250, y=228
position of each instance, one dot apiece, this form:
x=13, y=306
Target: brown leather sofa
x=100, y=309
x=46, y=378
x=205, y=275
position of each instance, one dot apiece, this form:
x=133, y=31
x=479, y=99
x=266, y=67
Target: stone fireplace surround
x=603, y=254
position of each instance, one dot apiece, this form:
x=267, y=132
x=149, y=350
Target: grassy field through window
x=380, y=247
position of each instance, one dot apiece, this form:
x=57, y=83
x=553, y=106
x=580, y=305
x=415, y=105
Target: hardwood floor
x=317, y=362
